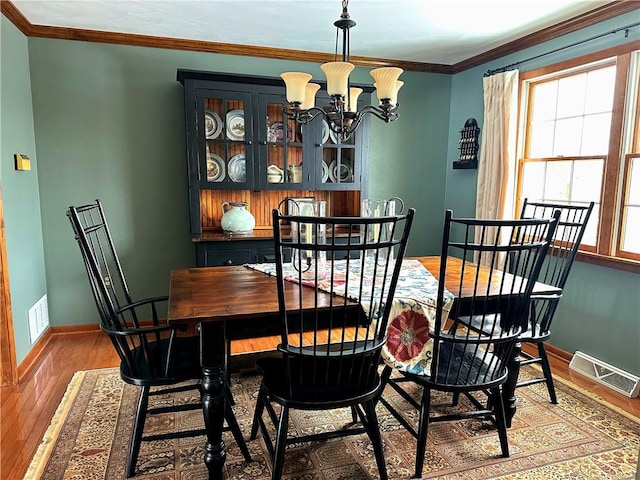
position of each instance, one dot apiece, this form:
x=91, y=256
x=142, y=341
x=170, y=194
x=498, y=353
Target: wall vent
x=608, y=375
x=38, y=316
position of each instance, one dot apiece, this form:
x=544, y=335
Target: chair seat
x=530, y=334
x=307, y=395
x=185, y=364
x=469, y=364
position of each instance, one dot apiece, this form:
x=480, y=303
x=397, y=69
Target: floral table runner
x=408, y=346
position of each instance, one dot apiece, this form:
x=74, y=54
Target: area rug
x=580, y=438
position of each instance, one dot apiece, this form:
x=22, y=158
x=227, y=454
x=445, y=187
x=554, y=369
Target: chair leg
x=257, y=414
x=237, y=433
x=423, y=430
x=136, y=435
x=281, y=443
x=455, y=399
x=374, y=436
x=546, y=370
x=501, y=421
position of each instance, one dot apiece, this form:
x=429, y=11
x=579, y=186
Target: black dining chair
x=152, y=354
x=464, y=361
x=572, y=225
x=555, y=271
x=334, y=315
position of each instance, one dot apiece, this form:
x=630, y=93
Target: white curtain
x=498, y=145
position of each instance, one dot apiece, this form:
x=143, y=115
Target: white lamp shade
x=296, y=83
x=393, y=100
x=310, y=96
x=386, y=81
x=354, y=93
x=337, y=74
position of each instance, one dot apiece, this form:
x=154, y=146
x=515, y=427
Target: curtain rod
x=514, y=65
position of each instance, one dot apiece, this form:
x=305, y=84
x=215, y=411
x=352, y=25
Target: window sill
x=609, y=262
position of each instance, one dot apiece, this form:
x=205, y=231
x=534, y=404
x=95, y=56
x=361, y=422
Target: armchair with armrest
x=152, y=354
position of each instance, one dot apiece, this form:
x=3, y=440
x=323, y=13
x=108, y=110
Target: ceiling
x=427, y=31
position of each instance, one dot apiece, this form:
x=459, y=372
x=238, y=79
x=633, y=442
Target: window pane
x=633, y=196
x=631, y=232
x=533, y=180
x=568, y=137
x=558, y=181
x=587, y=180
x=571, y=95
x=599, y=95
x=544, y=101
x=541, y=139
x=595, y=134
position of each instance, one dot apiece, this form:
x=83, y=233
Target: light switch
x=22, y=162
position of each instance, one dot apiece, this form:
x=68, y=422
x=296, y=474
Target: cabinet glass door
x=339, y=162
x=225, y=133
x=281, y=160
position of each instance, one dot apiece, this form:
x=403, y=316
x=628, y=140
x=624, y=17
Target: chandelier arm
x=302, y=116
x=388, y=115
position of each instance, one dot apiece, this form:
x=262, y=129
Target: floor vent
x=608, y=375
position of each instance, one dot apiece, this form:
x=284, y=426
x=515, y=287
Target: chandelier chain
x=341, y=114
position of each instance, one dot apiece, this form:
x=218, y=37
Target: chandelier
x=341, y=114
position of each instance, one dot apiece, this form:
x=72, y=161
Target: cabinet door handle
x=262, y=142
x=228, y=262
x=249, y=142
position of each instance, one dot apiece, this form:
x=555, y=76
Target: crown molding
x=587, y=19
x=594, y=16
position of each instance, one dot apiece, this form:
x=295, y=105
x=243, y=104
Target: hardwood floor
x=27, y=408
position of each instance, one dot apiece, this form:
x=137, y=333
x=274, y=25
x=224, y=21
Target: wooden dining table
x=236, y=302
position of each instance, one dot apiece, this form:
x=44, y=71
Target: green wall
x=109, y=123
x=21, y=200
x=600, y=311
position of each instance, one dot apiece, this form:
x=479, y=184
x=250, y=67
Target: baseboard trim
x=73, y=329
x=34, y=355
x=532, y=349
x=32, y=359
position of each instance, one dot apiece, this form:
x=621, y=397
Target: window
x=580, y=142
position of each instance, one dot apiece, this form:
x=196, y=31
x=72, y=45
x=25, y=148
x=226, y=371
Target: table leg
x=212, y=359
x=509, y=387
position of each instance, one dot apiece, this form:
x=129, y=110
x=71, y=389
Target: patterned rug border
x=45, y=449
x=41, y=457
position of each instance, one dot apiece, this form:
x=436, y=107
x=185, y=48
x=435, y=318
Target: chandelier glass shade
x=342, y=114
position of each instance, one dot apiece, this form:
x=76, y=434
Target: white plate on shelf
x=345, y=174
x=212, y=124
x=235, y=125
x=237, y=169
x=215, y=167
x=325, y=131
x=325, y=172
